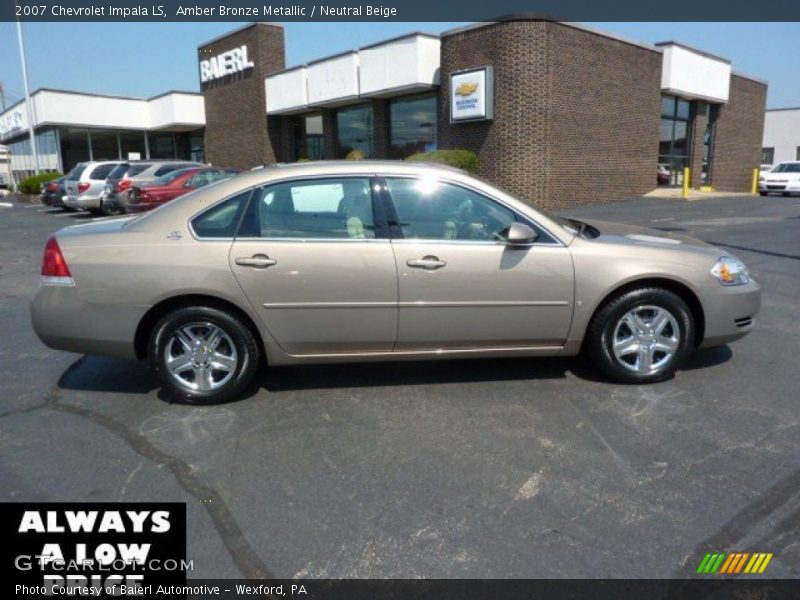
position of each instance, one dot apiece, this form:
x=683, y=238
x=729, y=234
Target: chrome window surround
x=524, y=218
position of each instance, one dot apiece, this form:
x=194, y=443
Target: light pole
x=28, y=102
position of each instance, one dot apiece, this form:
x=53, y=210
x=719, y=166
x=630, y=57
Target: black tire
x=243, y=339
x=598, y=346
x=763, y=193
x=105, y=210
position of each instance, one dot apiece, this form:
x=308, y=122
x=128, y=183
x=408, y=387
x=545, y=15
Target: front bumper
x=730, y=313
x=779, y=186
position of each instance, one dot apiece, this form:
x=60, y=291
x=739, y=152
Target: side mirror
x=520, y=234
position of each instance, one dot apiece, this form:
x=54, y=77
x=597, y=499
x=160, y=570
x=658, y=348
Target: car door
x=460, y=285
x=315, y=261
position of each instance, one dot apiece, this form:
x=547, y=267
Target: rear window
x=119, y=171
x=221, y=221
x=169, y=177
x=77, y=170
x=101, y=172
x=168, y=169
x=136, y=169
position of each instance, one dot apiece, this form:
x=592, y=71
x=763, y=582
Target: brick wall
x=738, y=136
x=696, y=145
x=576, y=114
x=236, y=123
x=604, y=115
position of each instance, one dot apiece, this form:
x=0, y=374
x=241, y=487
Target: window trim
x=395, y=228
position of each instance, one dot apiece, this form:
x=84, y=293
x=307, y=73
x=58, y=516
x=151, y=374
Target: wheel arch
x=683, y=291
x=151, y=317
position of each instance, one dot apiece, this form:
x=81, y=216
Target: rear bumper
x=64, y=320
x=730, y=313
x=82, y=202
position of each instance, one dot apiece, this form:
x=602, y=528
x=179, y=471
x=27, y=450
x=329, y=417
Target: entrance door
x=316, y=263
x=461, y=286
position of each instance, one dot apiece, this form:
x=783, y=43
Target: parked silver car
x=85, y=185
x=362, y=260
x=128, y=175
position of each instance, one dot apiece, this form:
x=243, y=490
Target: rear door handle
x=259, y=261
x=426, y=262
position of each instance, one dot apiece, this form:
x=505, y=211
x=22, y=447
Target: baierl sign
x=227, y=63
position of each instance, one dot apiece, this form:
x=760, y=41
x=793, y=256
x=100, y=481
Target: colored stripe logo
x=734, y=563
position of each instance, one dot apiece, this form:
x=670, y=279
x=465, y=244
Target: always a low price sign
x=93, y=549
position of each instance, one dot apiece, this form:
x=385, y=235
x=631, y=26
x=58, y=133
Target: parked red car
x=173, y=184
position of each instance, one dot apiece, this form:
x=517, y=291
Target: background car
x=320, y=262
x=53, y=192
x=172, y=185
x=86, y=185
x=662, y=174
x=128, y=174
x=784, y=178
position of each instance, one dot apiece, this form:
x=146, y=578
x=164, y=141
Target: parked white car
x=784, y=178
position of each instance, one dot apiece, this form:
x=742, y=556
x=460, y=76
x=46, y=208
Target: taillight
x=83, y=186
x=54, y=267
x=52, y=187
x=122, y=185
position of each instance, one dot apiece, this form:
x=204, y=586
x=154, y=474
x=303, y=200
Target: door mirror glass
x=520, y=234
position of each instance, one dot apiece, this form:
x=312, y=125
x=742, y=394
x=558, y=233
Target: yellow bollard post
x=686, y=173
x=754, y=186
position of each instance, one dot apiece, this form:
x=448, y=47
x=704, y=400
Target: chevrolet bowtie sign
x=472, y=95
x=227, y=63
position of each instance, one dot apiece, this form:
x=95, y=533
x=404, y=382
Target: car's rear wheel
x=203, y=355
x=641, y=336
x=107, y=210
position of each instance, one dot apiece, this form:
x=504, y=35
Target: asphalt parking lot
x=501, y=468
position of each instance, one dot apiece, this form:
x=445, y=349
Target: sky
x=147, y=59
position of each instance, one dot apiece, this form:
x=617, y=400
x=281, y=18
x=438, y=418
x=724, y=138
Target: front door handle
x=426, y=262
x=259, y=261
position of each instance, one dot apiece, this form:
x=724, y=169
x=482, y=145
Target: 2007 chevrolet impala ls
x=359, y=261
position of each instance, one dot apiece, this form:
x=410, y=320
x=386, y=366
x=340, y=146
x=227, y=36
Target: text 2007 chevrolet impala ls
x=360, y=261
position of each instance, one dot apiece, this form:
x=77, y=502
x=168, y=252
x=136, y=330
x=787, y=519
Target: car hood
x=635, y=236
x=780, y=176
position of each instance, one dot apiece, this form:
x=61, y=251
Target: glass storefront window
x=412, y=126
x=104, y=144
x=674, y=139
x=307, y=137
x=354, y=126
x=162, y=145
x=132, y=142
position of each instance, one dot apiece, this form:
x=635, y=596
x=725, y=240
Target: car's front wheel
x=203, y=355
x=641, y=336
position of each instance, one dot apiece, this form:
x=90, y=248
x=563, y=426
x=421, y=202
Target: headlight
x=730, y=271
x=761, y=179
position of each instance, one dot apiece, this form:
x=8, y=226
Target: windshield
x=170, y=177
x=792, y=167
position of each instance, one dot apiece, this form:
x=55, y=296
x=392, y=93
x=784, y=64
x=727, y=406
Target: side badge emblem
x=174, y=235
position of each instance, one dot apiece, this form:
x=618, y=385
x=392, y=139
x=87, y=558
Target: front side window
x=433, y=210
x=354, y=127
x=221, y=220
x=339, y=208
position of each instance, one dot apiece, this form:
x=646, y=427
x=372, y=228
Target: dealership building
x=559, y=113
x=781, y=136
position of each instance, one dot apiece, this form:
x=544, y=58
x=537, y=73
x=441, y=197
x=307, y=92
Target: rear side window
x=136, y=169
x=101, y=172
x=77, y=171
x=119, y=171
x=220, y=221
x=318, y=208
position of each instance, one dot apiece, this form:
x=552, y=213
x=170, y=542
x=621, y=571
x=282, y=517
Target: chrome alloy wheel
x=200, y=357
x=646, y=339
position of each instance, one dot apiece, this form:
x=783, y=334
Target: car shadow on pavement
x=379, y=374
x=111, y=375
x=708, y=357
